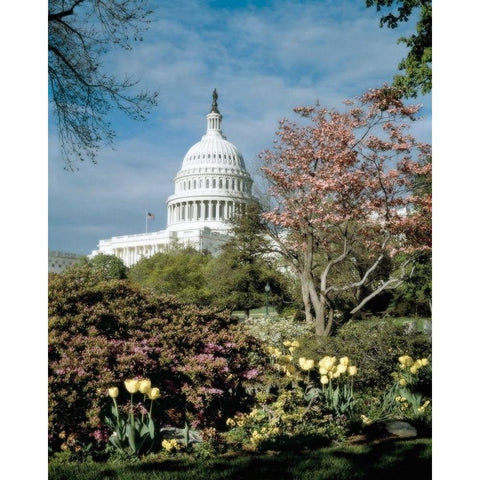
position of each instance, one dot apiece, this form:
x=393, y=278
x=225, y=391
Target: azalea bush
x=102, y=332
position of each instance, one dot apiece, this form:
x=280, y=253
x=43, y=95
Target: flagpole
x=146, y=222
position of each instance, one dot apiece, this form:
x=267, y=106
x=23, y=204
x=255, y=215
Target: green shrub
x=374, y=346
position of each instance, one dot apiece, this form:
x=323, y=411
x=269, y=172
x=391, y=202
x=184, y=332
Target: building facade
x=211, y=187
x=59, y=261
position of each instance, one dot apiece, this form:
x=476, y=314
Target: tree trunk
x=320, y=317
x=310, y=296
x=306, y=300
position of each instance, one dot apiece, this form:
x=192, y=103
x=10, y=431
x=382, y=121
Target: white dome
x=213, y=183
x=213, y=151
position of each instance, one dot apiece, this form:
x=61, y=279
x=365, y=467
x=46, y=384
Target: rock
x=179, y=434
x=401, y=429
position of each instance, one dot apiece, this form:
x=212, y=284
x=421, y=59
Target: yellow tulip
x=414, y=369
x=327, y=362
x=132, y=385
x=295, y=344
x=402, y=382
x=306, y=364
x=418, y=363
x=341, y=368
x=145, y=386
x=323, y=371
x=287, y=343
x=424, y=361
x=113, y=392
x=406, y=360
x=323, y=379
x=352, y=370
x=344, y=361
x=309, y=364
x=154, y=393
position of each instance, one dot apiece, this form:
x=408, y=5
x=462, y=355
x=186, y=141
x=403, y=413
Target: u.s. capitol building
x=212, y=186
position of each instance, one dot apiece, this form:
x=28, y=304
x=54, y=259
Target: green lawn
x=391, y=460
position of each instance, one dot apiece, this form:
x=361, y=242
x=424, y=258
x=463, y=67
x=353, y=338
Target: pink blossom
x=250, y=374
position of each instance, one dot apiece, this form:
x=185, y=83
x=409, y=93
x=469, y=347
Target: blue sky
x=264, y=58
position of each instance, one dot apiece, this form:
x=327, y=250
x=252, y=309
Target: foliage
x=274, y=331
x=102, y=332
x=110, y=266
x=418, y=62
x=178, y=271
x=374, y=346
x=344, y=185
x=408, y=398
x=238, y=276
x=83, y=93
x=414, y=296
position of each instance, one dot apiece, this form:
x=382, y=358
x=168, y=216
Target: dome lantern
x=214, y=119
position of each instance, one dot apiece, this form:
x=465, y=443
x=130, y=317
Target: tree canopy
x=82, y=91
x=345, y=189
x=178, y=271
x=239, y=275
x=417, y=65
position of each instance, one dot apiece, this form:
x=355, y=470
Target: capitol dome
x=213, y=183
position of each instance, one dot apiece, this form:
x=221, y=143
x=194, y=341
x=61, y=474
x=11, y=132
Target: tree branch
x=64, y=13
x=383, y=286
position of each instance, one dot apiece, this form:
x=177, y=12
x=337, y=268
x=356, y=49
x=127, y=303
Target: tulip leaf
x=132, y=438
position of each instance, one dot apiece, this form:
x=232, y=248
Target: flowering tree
x=344, y=187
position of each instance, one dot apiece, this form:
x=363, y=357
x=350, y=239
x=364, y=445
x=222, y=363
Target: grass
x=390, y=460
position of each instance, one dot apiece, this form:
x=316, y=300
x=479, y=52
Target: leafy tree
x=179, y=272
x=414, y=296
x=239, y=275
x=344, y=191
x=418, y=63
x=82, y=92
x=111, y=267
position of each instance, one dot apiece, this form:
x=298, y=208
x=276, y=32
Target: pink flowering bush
x=102, y=332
